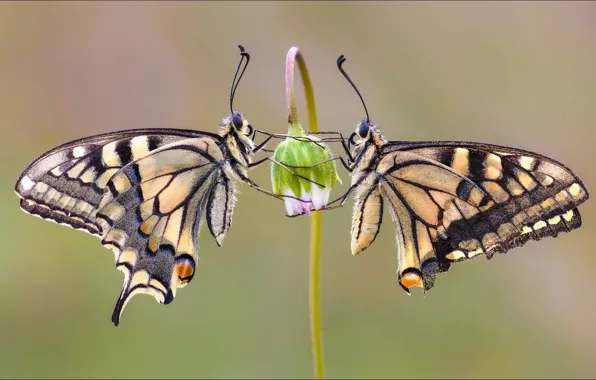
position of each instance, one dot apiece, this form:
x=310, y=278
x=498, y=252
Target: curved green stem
x=315, y=295
x=294, y=56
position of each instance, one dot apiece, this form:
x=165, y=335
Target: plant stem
x=294, y=56
x=315, y=295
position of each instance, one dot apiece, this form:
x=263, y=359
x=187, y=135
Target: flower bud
x=292, y=153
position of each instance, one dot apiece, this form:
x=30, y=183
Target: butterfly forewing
x=467, y=199
x=66, y=184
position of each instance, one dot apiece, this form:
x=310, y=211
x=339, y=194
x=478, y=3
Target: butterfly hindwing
x=418, y=191
x=367, y=215
x=151, y=216
x=220, y=208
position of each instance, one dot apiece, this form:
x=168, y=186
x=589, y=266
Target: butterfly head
x=237, y=126
x=361, y=135
x=366, y=132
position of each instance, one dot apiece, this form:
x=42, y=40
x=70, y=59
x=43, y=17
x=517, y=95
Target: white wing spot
x=461, y=161
x=575, y=189
x=547, y=180
x=540, y=224
x=57, y=171
x=527, y=162
x=474, y=253
x=109, y=155
x=455, y=255
x=27, y=183
x=493, y=166
x=139, y=146
x=568, y=215
x=79, y=151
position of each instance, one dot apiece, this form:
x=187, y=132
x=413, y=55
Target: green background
x=519, y=74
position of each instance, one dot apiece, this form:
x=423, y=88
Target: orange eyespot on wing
x=185, y=269
x=411, y=279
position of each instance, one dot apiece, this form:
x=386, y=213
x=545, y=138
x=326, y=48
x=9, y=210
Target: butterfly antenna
x=243, y=54
x=340, y=62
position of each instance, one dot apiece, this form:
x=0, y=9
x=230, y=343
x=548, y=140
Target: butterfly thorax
x=367, y=153
x=236, y=142
x=377, y=136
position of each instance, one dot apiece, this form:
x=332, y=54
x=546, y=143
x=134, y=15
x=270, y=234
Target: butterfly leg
x=343, y=143
x=255, y=186
x=345, y=164
x=262, y=145
x=342, y=199
x=256, y=163
x=297, y=138
x=341, y=159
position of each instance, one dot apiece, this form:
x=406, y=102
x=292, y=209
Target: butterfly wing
x=66, y=184
x=530, y=191
x=367, y=215
x=151, y=216
x=220, y=208
x=453, y=201
x=142, y=192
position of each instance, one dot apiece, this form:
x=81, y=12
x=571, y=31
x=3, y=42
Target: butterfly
x=143, y=193
x=453, y=200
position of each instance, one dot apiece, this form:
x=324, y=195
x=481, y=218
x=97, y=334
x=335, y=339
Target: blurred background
x=518, y=74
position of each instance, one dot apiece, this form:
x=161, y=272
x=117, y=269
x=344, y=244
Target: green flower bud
x=292, y=152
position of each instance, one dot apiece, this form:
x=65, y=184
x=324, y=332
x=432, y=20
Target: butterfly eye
x=237, y=121
x=250, y=130
x=363, y=129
